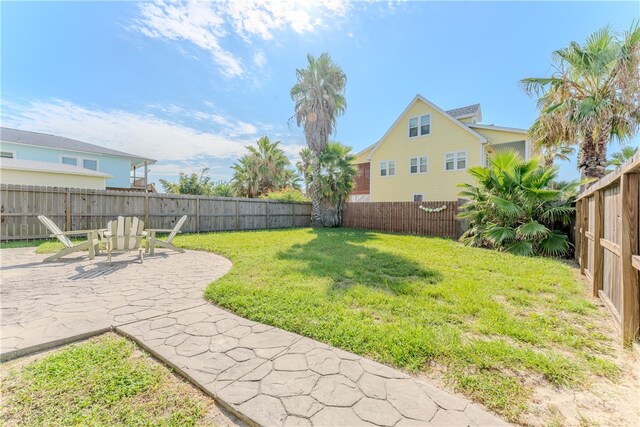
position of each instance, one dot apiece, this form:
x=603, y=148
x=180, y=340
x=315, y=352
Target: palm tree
x=245, y=180
x=336, y=181
x=592, y=96
x=304, y=168
x=319, y=99
x=265, y=168
x=552, y=152
x=619, y=158
x=518, y=206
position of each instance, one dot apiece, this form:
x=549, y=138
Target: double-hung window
x=418, y=165
x=387, y=168
x=420, y=126
x=455, y=161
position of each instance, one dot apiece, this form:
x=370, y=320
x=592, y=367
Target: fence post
x=576, y=232
x=237, y=205
x=146, y=208
x=198, y=214
x=584, y=242
x=268, y=219
x=598, y=253
x=293, y=215
x=630, y=312
x=67, y=219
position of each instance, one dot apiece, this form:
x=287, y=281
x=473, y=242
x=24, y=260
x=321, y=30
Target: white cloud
x=259, y=59
x=207, y=24
x=144, y=135
x=195, y=22
x=176, y=146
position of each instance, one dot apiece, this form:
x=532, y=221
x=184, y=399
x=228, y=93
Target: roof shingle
x=467, y=111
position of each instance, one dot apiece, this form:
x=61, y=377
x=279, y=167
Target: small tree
x=196, y=184
x=518, y=207
x=222, y=189
x=335, y=181
x=264, y=169
x=622, y=156
x=286, y=195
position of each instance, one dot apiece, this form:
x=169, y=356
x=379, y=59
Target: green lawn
x=102, y=382
x=492, y=325
x=493, y=322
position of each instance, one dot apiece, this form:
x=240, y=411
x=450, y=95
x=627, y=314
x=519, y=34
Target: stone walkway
x=264, y=375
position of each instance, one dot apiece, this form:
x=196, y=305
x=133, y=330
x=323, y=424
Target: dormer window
x=420, y=126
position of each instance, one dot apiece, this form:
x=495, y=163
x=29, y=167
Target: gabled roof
x=361, y=152
x=417, y=98
x=463, y=112
x=50, y=167
x=61, y=143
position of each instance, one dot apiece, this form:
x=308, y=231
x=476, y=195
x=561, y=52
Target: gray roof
x=60, y=143
x=34, y=165
x=468, y=111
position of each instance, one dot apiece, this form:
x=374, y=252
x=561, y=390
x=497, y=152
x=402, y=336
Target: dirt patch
x=601, y=402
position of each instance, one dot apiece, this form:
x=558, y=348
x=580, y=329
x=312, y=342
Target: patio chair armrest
x=74, y=232
x=162, y=230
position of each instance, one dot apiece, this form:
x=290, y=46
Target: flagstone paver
x=265, y=375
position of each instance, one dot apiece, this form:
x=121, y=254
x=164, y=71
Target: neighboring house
x=32, y=158
x=425, y=153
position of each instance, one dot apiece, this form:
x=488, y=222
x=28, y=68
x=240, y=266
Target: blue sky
x=191, y=84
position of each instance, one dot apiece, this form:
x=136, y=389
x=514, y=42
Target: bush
x=286, y=195
x=517, y=206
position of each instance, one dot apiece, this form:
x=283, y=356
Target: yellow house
x=426, y=152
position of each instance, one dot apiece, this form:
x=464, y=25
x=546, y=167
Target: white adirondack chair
x=152, y=241
x=92, y=243
x=124, y=235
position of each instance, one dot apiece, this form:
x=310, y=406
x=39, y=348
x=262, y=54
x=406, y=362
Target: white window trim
x=395, y=166
x=455, y=161
x=419, y=125
x=413, y=197
x=12, y=152
x=418, y=164
x=80, y=161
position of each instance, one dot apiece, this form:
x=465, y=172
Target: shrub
x=517, y=206
x=286, y=195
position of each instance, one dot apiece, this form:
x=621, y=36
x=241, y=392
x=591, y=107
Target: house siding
x=118, y=167
x=437, y=184
x=50, y=179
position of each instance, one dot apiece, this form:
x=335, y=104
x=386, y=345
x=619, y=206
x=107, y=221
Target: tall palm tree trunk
x=593, y=154
x=316, y=197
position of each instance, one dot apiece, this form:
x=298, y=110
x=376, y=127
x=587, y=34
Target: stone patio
x=264, y=375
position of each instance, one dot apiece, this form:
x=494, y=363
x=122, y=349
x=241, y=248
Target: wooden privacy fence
x=405, y=217
x=607, y=243
x=78, y=209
